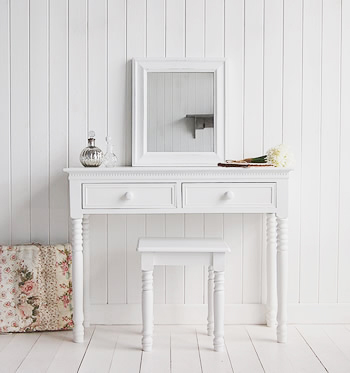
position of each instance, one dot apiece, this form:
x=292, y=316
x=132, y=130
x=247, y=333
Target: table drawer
x=228, y=194
x=124, y=196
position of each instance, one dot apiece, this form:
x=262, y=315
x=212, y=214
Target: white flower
x=280, y=156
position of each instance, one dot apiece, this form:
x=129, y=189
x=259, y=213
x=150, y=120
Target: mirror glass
x=180, y=109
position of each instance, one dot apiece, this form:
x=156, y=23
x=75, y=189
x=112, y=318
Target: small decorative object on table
x=110, y=159
x=278, y=156
x=91, y=156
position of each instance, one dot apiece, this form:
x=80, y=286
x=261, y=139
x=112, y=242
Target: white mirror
x=178, y=112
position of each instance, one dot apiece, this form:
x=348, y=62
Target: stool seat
x=182, y=245
x=184, y=251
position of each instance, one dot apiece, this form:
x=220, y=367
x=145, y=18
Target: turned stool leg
x=210, y=326
x=147, y=310
x=219, y=304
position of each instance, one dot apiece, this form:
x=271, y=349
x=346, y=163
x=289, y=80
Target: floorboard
x=211, y=361
x=241, y=351
x=291, y=357
x=16, y=350
x=179, y=349
x=332, y=358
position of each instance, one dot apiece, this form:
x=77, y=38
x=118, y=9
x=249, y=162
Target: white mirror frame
x=140, y=155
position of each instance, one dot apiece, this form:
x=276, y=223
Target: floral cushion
x=35, y=288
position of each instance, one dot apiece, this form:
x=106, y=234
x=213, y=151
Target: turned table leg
x=86, y=255
x=271, y=270
x=219, y=304
x=147, y=310
x=282, y=278
x=77, y=275
x=210, y=326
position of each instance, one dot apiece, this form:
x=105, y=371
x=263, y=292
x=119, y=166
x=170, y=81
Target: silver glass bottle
x=91, y=156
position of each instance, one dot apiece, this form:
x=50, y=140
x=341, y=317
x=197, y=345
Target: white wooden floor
x=179, y=349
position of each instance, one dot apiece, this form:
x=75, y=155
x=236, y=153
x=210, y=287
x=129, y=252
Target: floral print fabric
x=35, y=288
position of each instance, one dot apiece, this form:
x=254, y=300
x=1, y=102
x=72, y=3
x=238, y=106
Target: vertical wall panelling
x=5, y=166
x=175, y=47
x=194, y=227
x=175, y=28
x=273, y=68
x=20, y=124
x=344, y=197
x=97, y=121
x=58, y=121
x=311, y=130
x=234, y=53
x=253, y=141
x=39, y=119
x=292, y=100
x=116, y=121
x=195, y=28
x=77, y=79
x=65, y=67
x=195, y=48
x=135, y=228
x=155, y=224
x=174, y=290
x=329, y=198
x=155, y=227
x=136, y=47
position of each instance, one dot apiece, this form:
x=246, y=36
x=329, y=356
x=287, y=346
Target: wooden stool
x=184, y=251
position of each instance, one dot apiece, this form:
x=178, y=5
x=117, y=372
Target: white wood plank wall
x=65, y=68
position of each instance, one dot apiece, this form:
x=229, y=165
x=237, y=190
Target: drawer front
x=124, y=196
x=228, y=195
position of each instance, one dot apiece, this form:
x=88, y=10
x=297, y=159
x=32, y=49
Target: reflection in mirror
x=180, y=109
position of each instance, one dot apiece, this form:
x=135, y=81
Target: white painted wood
x=5, y=94
x=241, y=351
x=58, y=121
x=129, y=196
x=219, y=301
x=271, y=301
x=155, y=28
x=39, y=120
x=344, y=197
x=13, y=354
x=210, y=361
x=116, y=266
x=159, y=360
x=147, y=309
x=330, y=137
x=78, y=94
x=210, y=318
x=327, y=351
x=69, y=356
x=194, y=28
x=292, y=128
x=77, y=273
x=185, y=356
x=128, y=352
x=41, y=355
x=19, y=117
x=99, y=353
x=144, y=153
x=120, y=32
x=340, y=335
x=227, y=195
x=296, y=356
x=98, y=259
x=174, y=284
x=310, y=190
x=282, y=278
x=86, y=260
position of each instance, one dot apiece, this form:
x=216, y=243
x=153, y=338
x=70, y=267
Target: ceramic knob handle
x=129, y=195
x=229, y=195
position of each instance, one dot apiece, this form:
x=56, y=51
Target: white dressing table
x=148, y=190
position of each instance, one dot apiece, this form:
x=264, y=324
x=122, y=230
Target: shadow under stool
x=187, y=252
